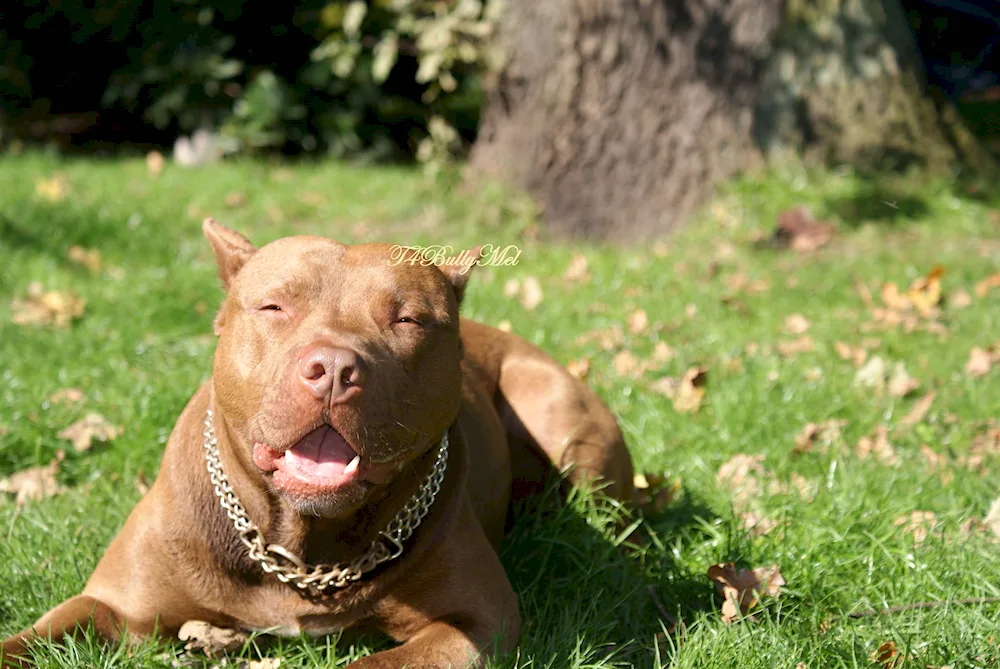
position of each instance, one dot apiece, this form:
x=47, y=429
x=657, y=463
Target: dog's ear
x=458, y=275
x=231, y=249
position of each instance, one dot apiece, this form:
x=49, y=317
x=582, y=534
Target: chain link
x=287, y=567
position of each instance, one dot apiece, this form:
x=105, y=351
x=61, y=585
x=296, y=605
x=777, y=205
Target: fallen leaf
x=89, y=258
x=739, y=475
x=686, y=392
x=210, y=640
x=918, y=523
x=824, y=434
x=662, y=352
x=813, y=374
x=266, y=663
x=901, y=383
x=886, y=655
x=40, y=307
x=93, y=426
x=53, y=190
x=638, y=321
x=741, y=589
x=797, y=324
x=854, y=355
x=986, y=285
x=236, y=199
x=578, y=270
x=919, y=410
x=877, y=446
x=504, y=326
x=690, y=310
x=797, y=485
x=799, y=230
x=311, y=198
x=935, y=460
x=872, y=374
x=607, y=338
x=985, y=445
x=992, y=519
x=654, y=491
x=925, y=293
x=788, y=349
x=154, y=163
x=141, y=484
x=757, y=526
x=579, y=368
x=528, y=292
x=626, y=364
x=66, y=396
x=980, y=362
x=34, y=483
x=959, y=300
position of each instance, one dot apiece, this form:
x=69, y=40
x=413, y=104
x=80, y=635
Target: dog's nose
x=328, y=371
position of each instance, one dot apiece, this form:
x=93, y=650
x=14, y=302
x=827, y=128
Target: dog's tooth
x=352, y=466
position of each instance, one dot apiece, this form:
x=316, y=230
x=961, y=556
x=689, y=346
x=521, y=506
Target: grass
x=143, y=345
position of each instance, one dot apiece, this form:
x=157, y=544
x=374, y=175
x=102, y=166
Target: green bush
x=378, y=77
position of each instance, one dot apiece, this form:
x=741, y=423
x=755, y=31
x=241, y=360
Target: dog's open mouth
x=322, y=461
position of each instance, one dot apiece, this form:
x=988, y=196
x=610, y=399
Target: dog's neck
x=314, y=540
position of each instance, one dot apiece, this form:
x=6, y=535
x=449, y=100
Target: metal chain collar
x=289, y=568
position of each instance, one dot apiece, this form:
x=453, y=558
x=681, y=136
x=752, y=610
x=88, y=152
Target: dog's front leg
x=68, y=619
x=454, y=609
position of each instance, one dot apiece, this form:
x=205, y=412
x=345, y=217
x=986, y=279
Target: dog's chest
x=283, y=612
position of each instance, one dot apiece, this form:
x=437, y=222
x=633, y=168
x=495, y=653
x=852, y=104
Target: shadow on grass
x=877, y=202
x=585, y=598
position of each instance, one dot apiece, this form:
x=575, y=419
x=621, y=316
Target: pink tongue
x=322, y=452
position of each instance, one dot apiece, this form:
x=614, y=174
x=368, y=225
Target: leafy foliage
x=384, y=77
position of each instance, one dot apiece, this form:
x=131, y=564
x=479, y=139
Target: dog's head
x=336, y=365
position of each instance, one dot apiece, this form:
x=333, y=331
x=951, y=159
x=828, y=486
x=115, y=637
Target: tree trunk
x=620, y=116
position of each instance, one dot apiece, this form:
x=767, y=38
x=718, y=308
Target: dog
x=351, y=463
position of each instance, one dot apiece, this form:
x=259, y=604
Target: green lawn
x=143, y=344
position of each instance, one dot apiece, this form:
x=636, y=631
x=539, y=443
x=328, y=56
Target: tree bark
x=621, y=116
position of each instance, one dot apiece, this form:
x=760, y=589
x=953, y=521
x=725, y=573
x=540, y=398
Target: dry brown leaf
x=959, y=300
x=813, y=374
x=654, y=492
x=985, y=445
x=992, y=519
x=797, y=324
x=93, y=426
x=980, y=362
x=797, y=484
x=690, y=310
x=236, y=199
x=266, y=663
x=626, y=364
x=638, y=321
x=935, y=460
x=53, y=190
x=919, y=410
x=823, y=434
x=579, y=368
x=311, y=198
x=920, y=524
x=877, y=446
x=66, y=396
x=757, y=526
x=578, y=270
x=799, y=230
x=741, y=589
x=607, y=338
x=886, y=655
x=209, y=639
x=739, y=475
x=872, y=374
x=987, y=284
x=925, y=293
x=901, y=383
x=854, y=355
x=788, y=349
x=531, y=293
x=662, y=352
x=686, y=392
x=41, y=307
x=141, y=484
x=89, y=258
x=154, y=163
x=34, y=483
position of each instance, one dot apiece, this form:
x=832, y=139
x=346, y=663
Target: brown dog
x=351, y=462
